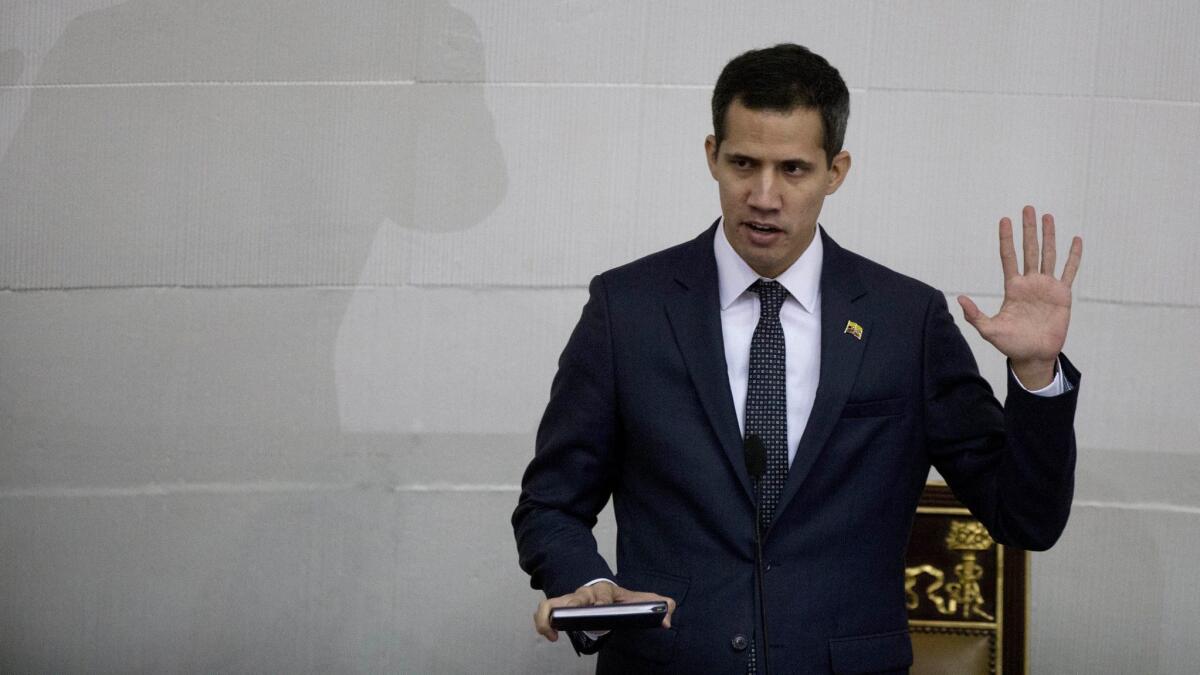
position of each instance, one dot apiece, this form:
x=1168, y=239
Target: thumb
x=972, y=313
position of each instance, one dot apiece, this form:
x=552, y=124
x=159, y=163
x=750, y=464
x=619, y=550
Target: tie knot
x=771, y=294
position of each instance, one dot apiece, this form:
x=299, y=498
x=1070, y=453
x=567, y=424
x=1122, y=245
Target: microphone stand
x=756, y=464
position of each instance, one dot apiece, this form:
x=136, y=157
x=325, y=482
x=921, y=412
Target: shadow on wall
x=166, y=182
x=12, y=64
x=267, y=144
x=257, y=146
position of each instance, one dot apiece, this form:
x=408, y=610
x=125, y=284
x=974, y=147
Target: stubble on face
x=773, y=179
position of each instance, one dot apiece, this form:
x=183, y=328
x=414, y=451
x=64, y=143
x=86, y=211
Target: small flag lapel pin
x=854, y=329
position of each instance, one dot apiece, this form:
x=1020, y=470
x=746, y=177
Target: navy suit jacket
x=641, y=411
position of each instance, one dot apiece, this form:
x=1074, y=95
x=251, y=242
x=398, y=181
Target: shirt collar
x=802, y=280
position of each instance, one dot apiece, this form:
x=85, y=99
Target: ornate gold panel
x=954, y=585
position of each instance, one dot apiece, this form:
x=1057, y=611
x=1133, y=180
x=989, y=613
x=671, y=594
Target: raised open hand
x=1031, y=326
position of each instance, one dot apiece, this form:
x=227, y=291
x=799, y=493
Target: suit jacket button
x=739, y=642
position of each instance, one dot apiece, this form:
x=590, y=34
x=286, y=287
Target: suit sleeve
x=571, y=476
x=1012, y=466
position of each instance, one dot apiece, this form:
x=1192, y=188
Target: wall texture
x=284, y=282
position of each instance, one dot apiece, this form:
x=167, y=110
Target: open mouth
x=761, y=227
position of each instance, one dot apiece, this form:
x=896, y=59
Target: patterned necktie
x=766, y=405
x=766, y=394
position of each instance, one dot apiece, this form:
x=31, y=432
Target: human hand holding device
x=604, y=593
x=609, y=617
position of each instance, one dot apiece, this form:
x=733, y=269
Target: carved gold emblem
x=964, y=593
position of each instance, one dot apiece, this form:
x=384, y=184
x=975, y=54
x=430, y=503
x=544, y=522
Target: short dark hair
x=783, y=78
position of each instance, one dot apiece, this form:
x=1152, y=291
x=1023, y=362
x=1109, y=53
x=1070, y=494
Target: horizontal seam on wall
x=573, y=85
x=486, y=287
x=356, y=83
x=169, y=489
x=1159, y=507
x=256, y=488
x=315, y=287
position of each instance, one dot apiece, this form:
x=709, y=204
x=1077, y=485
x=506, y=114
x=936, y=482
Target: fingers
x=670, y=612
x=541, y=619
x=626, y=595
x=604, y=593
x=541, y=622
x=582, y=597
x=1037, y=258
x=1073, y=258
x=597, y=594
x=1049, y=247
x=1029, y=242
x=1008, y=252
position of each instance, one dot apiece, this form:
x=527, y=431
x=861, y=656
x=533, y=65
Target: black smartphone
x=609, y=617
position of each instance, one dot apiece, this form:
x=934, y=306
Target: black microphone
x=756, y=459
x=756, y=466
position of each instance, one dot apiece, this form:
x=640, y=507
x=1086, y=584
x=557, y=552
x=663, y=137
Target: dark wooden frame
x=1014, y=615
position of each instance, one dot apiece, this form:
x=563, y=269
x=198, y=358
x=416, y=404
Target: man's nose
x=764, y=192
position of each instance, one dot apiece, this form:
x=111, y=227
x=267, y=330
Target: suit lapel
x=841, y=354
x=694, y=313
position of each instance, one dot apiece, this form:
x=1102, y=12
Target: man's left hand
x=1031, y=326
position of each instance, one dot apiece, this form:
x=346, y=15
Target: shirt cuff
x=597, y=634
x=1059, y=385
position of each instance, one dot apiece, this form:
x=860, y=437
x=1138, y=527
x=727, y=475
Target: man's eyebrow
x=801, y=163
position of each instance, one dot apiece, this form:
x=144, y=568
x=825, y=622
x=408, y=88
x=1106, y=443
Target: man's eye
x=793, y=169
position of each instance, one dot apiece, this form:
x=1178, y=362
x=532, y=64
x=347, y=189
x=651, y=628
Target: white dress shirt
x=801, y=319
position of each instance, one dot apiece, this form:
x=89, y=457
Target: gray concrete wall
x=258, y=259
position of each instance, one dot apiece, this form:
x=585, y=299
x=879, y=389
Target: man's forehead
x=778, y=134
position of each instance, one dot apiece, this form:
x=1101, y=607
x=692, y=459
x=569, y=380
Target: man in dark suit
x=854, y=377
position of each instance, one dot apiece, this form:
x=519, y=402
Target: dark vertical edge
x=1016, y=610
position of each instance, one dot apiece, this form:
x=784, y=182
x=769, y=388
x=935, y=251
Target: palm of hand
x=1031, y=326
x=1032, y=321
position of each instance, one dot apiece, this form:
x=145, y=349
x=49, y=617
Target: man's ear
x=710, y=153
x=838, y=171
